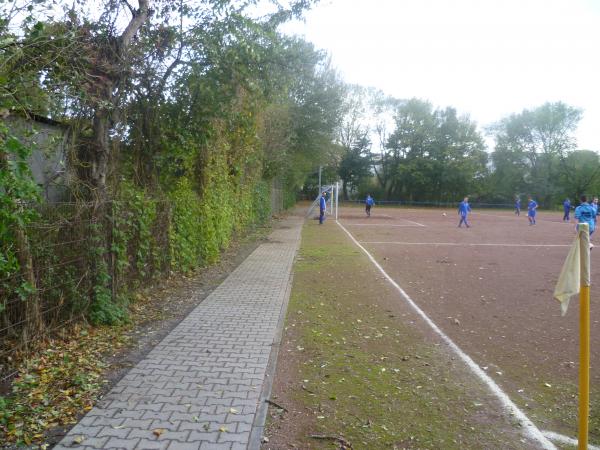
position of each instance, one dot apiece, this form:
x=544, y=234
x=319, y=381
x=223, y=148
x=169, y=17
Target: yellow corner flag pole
x=584, y=336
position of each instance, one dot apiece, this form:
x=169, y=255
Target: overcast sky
x=487, y=58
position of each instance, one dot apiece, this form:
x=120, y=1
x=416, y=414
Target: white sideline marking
x=565, y=439
x=572, y=222
x=380, y=225
x=464, y=244
x=530, y=428
x=386, y=216
x=416, y=223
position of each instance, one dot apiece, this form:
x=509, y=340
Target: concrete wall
x=48, y=161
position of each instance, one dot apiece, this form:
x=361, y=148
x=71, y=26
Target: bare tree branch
x=131, y=9
x=138, y=19
x=177, y=60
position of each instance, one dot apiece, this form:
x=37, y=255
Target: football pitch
x=488, y=289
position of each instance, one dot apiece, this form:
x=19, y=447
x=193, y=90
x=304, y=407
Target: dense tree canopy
x=532, y=154
x=433, y=154
x=424, y=154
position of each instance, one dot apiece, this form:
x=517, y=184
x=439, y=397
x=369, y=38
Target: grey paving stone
x=214, y=360
x=176, y=445
x=204, y=436
x=147, y=444
x=111, y=432
x=210, y=446
x=240, y=438
x=114, y=443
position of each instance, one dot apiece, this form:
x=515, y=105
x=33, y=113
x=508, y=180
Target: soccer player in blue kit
x=586, y=213
x=567, y=209
x=463, y=210
x=322, y=206
x=531, y=210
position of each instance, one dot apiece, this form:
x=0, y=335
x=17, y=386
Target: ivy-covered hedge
x=142, y=238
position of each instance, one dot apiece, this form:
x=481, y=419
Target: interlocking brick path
x=200, y=388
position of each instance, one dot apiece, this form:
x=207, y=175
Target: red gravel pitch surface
x=489, y=288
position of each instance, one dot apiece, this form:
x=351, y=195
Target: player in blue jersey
x=463, y=211
x=531, y=210
x=322, y=206
x=369, y=202
x=586, y=213
x=518, y=206
x=567, y=210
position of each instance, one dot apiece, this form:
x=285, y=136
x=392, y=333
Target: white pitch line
x=524, y=215
x=463, y=244
x=530, y=428
x=379, y=225
x=416, y=223
x=566, y=440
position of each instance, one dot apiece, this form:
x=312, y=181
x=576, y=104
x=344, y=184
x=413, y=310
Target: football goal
x=331, y=200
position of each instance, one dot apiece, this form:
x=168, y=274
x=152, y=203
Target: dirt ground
x=489, y=288
x=358, y=367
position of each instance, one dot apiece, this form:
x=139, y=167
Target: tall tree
x=435, y=154
x=540, y=138
x=382, y=109
x=581, y=174
x=355, y=164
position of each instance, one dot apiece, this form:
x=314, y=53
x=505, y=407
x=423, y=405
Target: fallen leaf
x=223, y=429
x=79, y=439
x=158, y=431
x=233, y=411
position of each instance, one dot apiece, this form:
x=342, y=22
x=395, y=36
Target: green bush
x=186, y=230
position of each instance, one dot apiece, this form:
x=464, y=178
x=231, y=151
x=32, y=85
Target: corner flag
x=575, y=278
x=575, y=271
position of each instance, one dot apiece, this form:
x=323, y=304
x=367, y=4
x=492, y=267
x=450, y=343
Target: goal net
x=331, y=201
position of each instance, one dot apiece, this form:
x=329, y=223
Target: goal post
x=337, y=196
x=331, y=207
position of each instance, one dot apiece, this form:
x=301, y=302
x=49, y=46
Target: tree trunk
x=108, y=99
x=100, y=154
x=34, y=325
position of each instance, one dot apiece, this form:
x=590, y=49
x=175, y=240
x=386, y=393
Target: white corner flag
x=570, y=281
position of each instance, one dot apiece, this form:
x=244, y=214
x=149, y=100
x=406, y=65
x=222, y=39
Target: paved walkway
x=203, y=386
